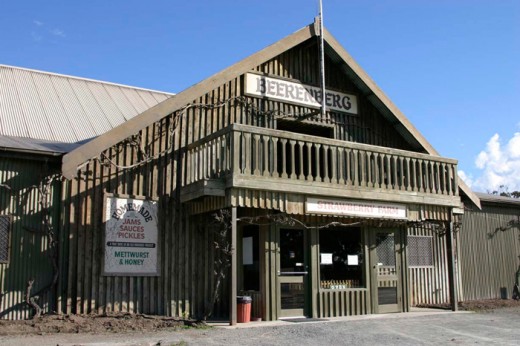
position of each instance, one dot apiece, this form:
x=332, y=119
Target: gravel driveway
x=426, y=327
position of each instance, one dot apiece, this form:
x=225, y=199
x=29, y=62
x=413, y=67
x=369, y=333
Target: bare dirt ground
x=122, y=323
x=113, y=323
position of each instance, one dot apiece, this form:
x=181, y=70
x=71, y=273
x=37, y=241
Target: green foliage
x=504, y=191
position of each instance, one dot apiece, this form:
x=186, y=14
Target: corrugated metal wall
x=489, y=251
x=28, y=250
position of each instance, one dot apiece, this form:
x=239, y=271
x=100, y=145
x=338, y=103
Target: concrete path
x=420, y=327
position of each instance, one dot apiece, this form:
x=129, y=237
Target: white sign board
x=352, y=260
x=294, y=92
x=131, y=237
x=326, y=258
x=355, y=208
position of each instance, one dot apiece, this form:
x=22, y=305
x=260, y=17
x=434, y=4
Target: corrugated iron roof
x=65, y=109
x=19, y=144
x=487, y=197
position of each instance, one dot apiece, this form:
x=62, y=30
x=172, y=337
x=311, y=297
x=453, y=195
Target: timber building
x=238, y=185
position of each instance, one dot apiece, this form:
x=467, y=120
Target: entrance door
x=386, y=269
x=292, y=273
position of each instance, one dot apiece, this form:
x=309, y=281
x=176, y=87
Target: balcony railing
x=258, y=158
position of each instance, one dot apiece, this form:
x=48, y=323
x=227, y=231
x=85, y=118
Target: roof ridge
x=85, y=79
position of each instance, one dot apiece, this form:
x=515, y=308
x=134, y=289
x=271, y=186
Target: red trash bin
x=244, y=309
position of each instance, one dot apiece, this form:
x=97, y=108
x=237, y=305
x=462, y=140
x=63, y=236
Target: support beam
x=233, y=291
x=452, y=267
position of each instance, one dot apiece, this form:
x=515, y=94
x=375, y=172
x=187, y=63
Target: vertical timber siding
x=489, y=251
x=186, y=258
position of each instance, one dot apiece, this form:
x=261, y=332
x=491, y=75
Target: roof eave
x=77, y=157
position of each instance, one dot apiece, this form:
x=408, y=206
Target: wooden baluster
x=274, y=169
x=284, y=158
x=292, y=167
x=388, y=180
x=408, y=174
x=448, y=180
x=414, y=175
x=246, y=155
x=341, y=164
x=369, y=168
x=300, y=159
x=420, y=176
x=348, y=167
x=317, y=150
x=236, y=145
x=309, y=161
x=255, y=153
x=455, y=180
x=374, y=178
x=401, y=172
x=362, y=164
x=265, y=155
x=441, y=178
x=337, y=175
x=205, y=167
x=395, y=182
x=199, y=161
x=437, y=172
x=326, y=164
x=356, y=168
x=426, y=173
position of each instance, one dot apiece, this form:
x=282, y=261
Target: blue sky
x=452, y=67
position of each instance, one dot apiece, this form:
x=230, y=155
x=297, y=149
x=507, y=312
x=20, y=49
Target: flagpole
x=322, y=62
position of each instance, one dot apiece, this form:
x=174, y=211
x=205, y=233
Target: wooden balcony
x=264, y=159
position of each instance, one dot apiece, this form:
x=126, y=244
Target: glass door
x=292, y=273
x=386, y=292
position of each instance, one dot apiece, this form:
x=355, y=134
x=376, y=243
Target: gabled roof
x=36, y=105
x=334, y=50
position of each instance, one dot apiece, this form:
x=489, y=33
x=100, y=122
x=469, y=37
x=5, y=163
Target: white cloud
x=500, y=165
x=57, y=32
x=36, y=37
x=468, y=179
x=37, y=22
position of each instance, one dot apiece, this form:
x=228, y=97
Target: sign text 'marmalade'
x=294, y=92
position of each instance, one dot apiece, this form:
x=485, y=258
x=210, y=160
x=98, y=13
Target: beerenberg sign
x=294, y=92
x=130, y=237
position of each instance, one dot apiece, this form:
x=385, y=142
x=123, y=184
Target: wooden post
x=233, y=298
x=452, y=267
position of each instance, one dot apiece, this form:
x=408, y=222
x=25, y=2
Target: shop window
x=5, y=227
x=420, y=251
x=251, y=258
x=341, y=258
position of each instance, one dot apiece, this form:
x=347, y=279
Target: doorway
x=292, y=273
x=386, y=270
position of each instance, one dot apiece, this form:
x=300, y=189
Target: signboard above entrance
x=355, y=208
x=294, y=92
